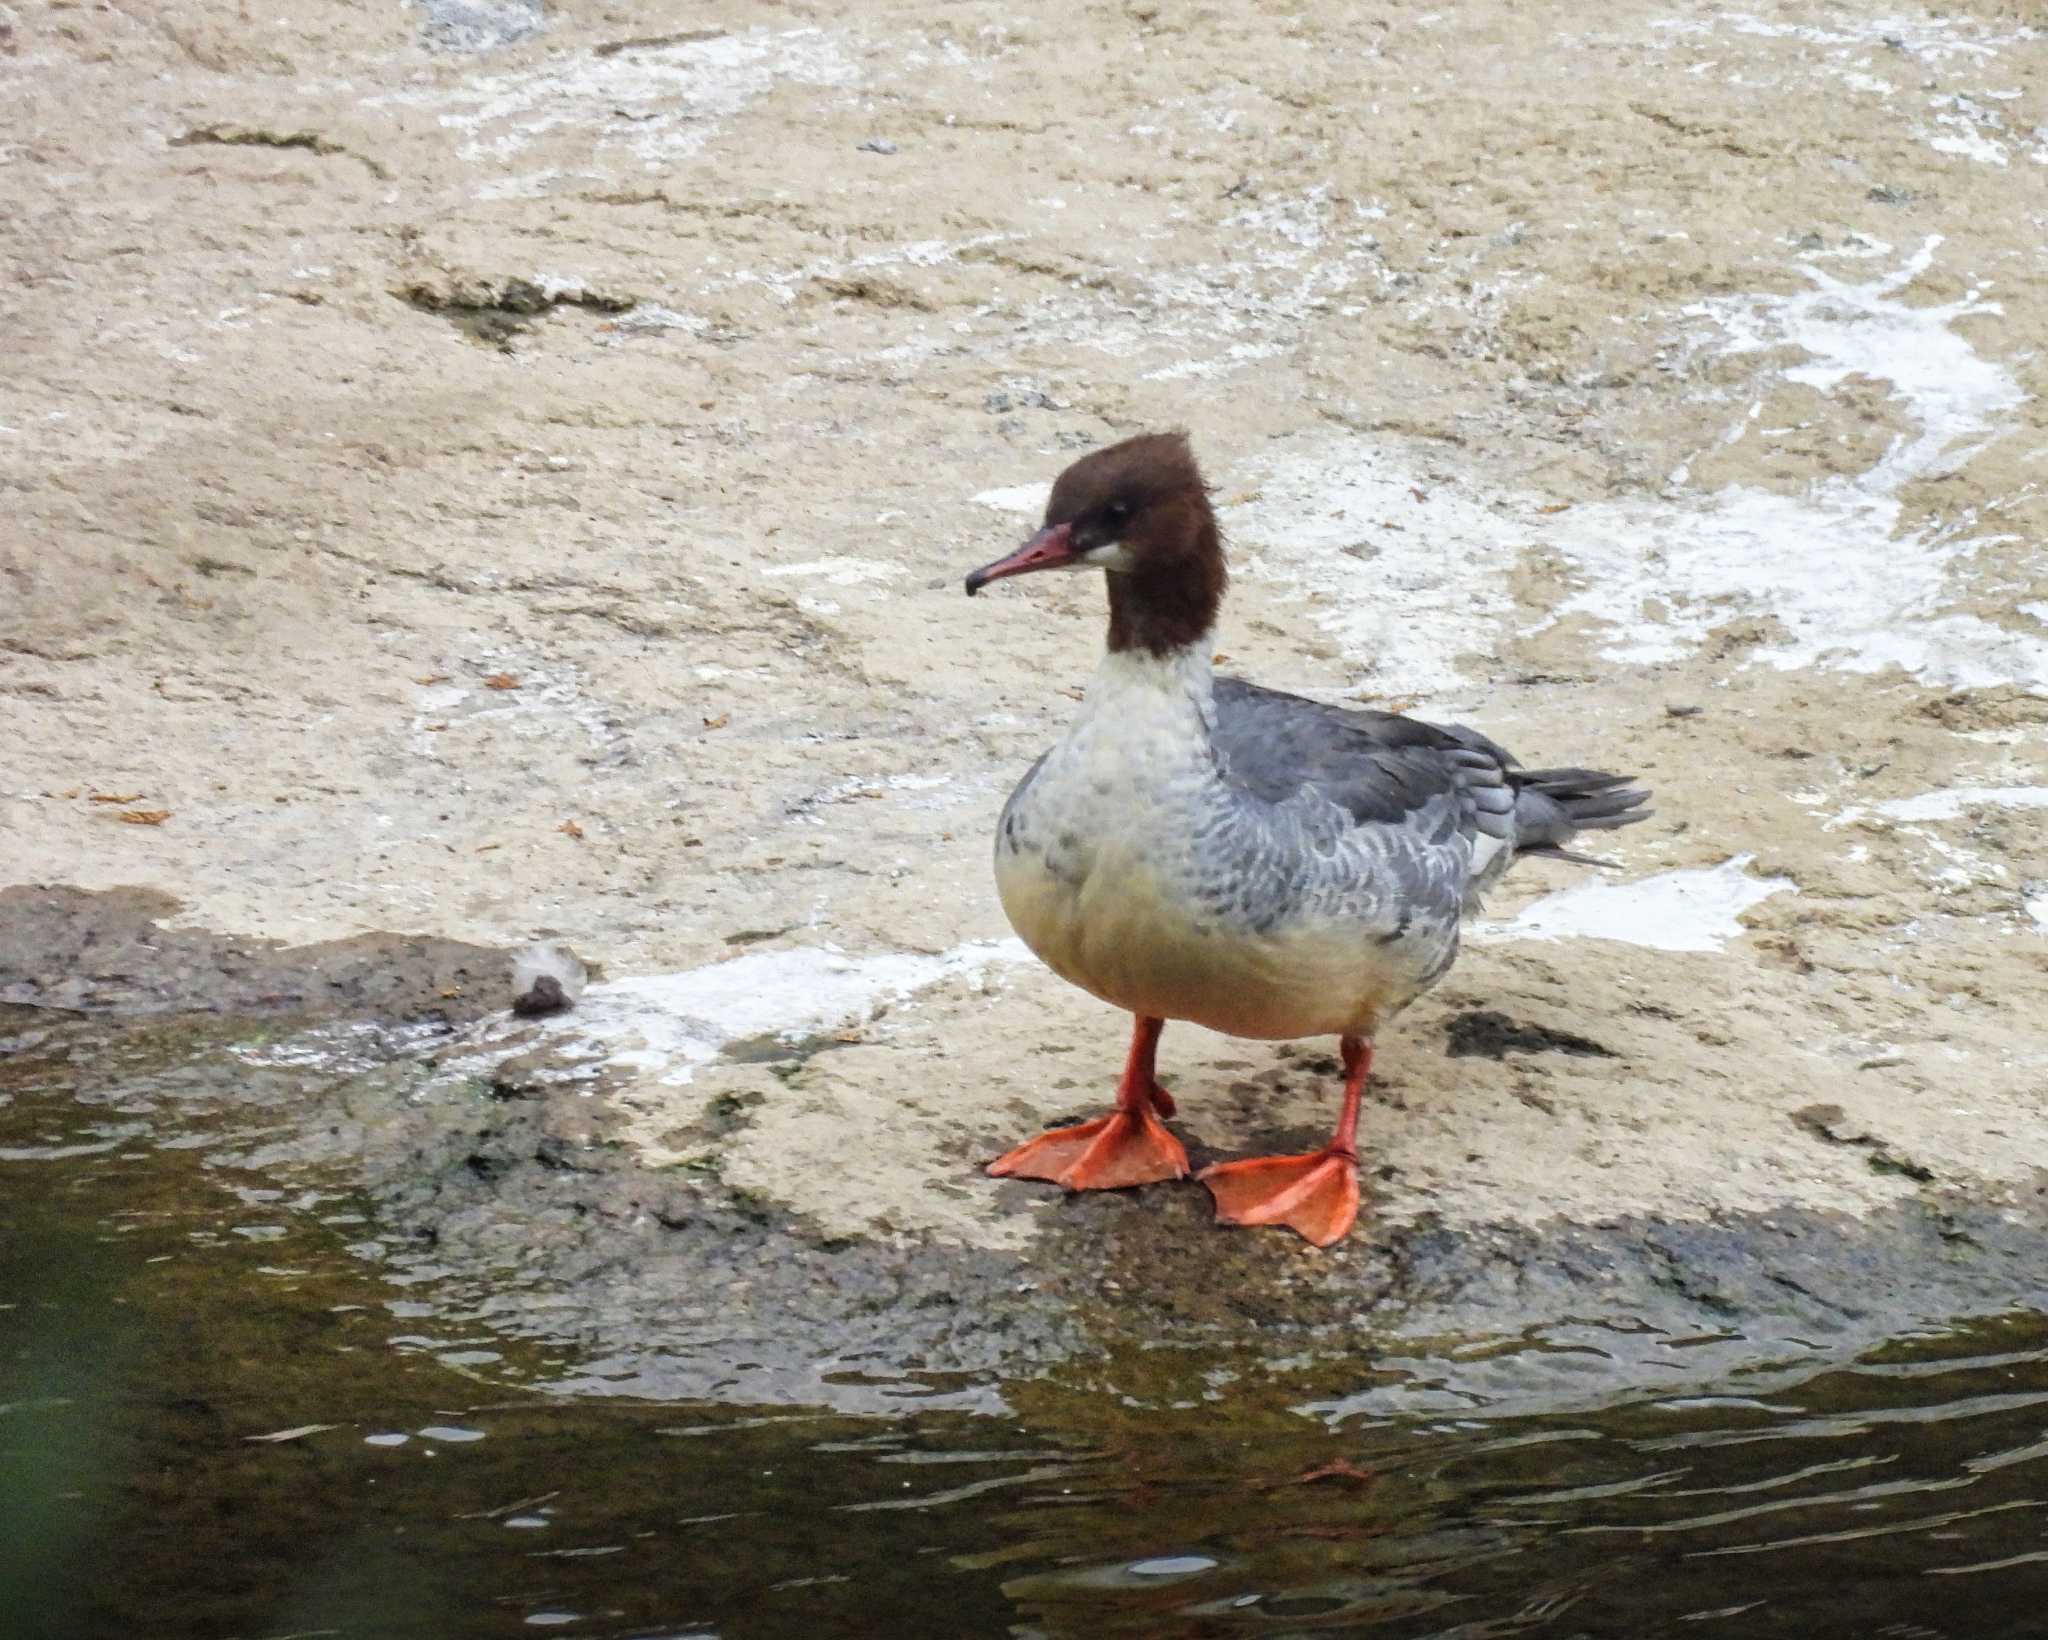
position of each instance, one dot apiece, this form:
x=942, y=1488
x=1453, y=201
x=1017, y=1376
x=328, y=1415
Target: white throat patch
x=1110, y=555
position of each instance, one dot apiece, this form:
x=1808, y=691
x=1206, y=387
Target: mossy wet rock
x=515, y=1168
x=109, y=953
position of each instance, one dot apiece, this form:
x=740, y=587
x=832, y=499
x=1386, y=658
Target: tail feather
x=1550, y=851
x=1553, y=805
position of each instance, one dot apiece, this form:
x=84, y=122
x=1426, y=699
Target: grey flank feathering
x=1386, y=769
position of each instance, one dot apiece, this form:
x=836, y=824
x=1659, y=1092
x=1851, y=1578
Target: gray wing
x=1380, y=768
x=1431, y=780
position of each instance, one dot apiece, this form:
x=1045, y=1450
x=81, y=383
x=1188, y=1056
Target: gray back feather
x=1434, y=781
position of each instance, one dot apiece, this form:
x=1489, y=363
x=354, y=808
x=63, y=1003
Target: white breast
x=1098, y=868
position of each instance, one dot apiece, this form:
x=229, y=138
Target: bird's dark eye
x=1115, y=515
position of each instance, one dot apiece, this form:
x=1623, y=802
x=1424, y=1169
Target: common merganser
x=1201, y=848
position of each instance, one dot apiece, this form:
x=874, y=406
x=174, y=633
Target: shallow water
x=219, y=1418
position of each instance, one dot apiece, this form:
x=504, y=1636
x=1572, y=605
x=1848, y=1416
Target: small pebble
x=1170, y=1566
x=546, y=978
x=878, y=145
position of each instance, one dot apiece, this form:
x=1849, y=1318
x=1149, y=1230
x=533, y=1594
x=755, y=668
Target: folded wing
x=1436, y=781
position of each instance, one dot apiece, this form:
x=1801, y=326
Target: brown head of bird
x=1140, y=512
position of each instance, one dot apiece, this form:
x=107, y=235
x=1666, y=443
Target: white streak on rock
x=1852, y=589
x=1017, y=498
x=1690, y=910
x=669, y=1024
x=1956, y=801
x=841, y=571
x=1405, y=573
x=660, y=102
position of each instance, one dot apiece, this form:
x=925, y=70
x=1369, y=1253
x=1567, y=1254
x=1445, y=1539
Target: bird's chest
x=1110, y=804
x=1129, y=865
x=1095, y=849
x=1108, y=864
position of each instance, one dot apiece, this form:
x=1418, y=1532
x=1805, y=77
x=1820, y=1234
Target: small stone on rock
x=546, y=979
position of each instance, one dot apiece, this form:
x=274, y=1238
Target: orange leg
x=1315, y=1195
x=1129, y=1146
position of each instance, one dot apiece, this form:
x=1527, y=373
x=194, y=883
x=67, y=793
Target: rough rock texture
x=520, y=491
x=509, y=1199
x=107, y=954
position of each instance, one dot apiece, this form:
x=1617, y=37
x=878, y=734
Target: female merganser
x=1200, y=848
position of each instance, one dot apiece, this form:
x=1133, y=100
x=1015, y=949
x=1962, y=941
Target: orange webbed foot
x=1316, y=1195
x=1112, y=1152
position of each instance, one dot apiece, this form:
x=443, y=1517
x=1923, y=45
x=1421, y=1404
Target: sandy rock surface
x=499, y=473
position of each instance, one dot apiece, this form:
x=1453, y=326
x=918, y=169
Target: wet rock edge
x=524, y=1192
